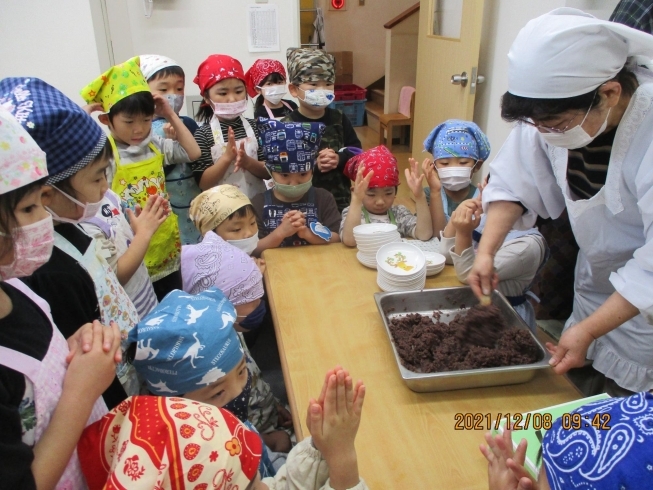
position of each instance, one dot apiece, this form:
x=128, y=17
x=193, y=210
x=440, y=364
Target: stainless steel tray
x=450, y=302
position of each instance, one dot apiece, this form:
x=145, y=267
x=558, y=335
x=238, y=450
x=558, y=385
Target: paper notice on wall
x=263, y=28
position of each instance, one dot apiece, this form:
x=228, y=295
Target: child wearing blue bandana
x=583, y=456
x=293, y=212
x=188, y=347
x=459, y=148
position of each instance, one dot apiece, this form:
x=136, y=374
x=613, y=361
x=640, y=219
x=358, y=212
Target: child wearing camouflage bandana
x=311, y=73
x=293, y=212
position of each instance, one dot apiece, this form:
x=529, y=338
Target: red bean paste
x=477, y=338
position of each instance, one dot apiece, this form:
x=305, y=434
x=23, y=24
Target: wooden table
x=324, y=314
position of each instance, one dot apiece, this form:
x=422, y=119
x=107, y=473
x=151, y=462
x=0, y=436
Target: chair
x=402, y=118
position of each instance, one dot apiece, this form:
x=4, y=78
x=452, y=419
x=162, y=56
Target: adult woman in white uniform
x=571, y=79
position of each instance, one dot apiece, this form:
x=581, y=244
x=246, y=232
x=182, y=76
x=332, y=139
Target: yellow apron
x=135, y=183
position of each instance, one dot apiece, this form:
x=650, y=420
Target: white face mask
x=176, y=102
x=90, y=210
x=575, y=137
x=229, y=110
x=247, y=245
x=274, y=93
x=455, y=178
x=318, y=98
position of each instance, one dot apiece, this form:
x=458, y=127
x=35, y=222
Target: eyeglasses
x=549, y=129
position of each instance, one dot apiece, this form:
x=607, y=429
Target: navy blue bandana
x=289, y=147
x=617, y=455
x=70, y=138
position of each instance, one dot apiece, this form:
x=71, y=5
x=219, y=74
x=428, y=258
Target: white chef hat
x=568, y=52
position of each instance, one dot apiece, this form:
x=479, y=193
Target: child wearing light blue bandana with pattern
x=459, y=149
x=188, y=347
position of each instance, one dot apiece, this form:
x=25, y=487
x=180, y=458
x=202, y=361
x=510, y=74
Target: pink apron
x=47, y=378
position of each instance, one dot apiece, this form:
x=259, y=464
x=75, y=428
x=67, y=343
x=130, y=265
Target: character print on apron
x=135, y=183
x=47, y=378
x=248, y=183
x=112, y=300
x=273, y=215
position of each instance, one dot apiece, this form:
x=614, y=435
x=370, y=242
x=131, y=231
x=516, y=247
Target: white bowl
x=434, y=259
x=388, y=287
x=367, y=261
x=434, y=271
x=374, y=228
x=400, y=259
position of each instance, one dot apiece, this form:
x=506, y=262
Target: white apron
x=613, y=229
x=47, y=377
x=112, y=300
x=248, y=183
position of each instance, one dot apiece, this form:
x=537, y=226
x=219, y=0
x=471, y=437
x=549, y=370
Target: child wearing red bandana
x=376, y=178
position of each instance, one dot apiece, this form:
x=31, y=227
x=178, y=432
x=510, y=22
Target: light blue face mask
x=293, y=191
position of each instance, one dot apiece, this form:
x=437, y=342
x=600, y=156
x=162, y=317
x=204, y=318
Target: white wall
x=190, y=30
x=502, y=22
x=400, y=60
x=360, y=29
x=52, y=40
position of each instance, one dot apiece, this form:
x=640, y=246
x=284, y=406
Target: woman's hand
x=571, y=350
x=483, y=277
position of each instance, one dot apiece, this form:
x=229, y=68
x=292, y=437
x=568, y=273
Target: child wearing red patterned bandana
x=376, y=178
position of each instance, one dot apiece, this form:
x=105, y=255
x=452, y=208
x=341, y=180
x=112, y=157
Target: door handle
x=460, y=79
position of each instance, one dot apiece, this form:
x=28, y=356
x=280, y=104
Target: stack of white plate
x=401, y=267
x=434, y=263
x=370, y=238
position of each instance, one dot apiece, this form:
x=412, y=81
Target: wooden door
x=452, y=50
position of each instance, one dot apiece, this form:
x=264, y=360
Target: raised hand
x=334, y=424
x=148, y=220
x=169, y=131
x=431, y=175
x=414, y=179
x=501, y=459
x=361, y=183
x=162, y=106
x=467, y=216
x=230, y=150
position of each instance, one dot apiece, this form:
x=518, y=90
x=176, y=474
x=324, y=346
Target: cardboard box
x=344, y=63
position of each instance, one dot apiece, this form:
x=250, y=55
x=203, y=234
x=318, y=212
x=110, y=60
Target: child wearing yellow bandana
x=137, y=173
